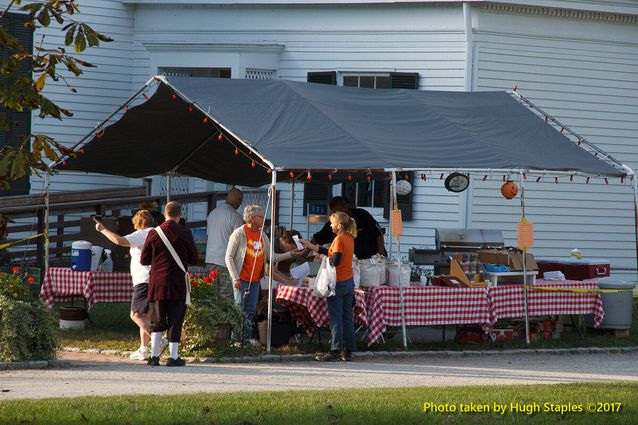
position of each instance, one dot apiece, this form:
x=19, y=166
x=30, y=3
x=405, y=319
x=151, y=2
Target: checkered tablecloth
x=428, y=306
x=546, y=299
x=311, y=310
x=96, y=287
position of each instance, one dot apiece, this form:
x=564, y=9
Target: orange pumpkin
x=509, y=189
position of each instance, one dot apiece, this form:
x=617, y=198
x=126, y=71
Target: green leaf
x=92, y=38
x=44, y=18
x=68, y=39
x=80, y=42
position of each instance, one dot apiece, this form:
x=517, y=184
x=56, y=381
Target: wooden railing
x=63, y=228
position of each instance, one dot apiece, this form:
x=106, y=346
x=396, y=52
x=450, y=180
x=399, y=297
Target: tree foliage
x=24, y=75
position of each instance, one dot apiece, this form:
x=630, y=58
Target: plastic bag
x=326, y=280
x=393, y=275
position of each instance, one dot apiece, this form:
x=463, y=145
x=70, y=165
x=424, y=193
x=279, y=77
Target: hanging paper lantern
x=509, y=189
x=403, y=187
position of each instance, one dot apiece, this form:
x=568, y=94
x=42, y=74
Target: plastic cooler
x=81, y=256
x=574, y=269
x=618, y=306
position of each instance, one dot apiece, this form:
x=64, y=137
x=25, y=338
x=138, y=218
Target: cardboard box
x=494, y=256
x=516, y=261
x=504, y=257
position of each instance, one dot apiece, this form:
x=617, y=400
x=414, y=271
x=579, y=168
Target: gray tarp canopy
x=302, y=126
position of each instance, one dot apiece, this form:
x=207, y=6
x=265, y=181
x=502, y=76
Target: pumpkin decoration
x=509, y=189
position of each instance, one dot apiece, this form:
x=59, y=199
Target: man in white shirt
x=220, y=224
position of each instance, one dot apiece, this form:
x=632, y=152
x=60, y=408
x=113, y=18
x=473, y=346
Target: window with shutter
x=318, y=191
x=21, y=121
x=377, y=193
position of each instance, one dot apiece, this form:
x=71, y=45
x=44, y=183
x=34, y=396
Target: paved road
x=104, y=375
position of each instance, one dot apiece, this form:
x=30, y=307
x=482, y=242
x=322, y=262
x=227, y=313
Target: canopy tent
x=286, y=125
x=216, y=129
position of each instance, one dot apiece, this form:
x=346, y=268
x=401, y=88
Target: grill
x=452, y=241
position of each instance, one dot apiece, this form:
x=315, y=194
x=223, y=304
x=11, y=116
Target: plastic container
x=81, y=256
x=96, y=257
x=107, y=264
x=495, y=268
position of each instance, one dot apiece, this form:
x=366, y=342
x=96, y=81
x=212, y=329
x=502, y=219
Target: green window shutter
x=21, y=129
x=403, y=201
x=404, y=80
x=328, y=77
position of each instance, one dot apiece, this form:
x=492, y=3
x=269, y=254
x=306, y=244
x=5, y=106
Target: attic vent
x=260, y=74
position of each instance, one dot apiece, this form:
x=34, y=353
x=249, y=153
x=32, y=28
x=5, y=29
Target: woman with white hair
x=247, y=255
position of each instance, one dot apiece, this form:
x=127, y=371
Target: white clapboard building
x=578, y=60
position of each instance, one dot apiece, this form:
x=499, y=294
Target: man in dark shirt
x=369, y=240
x=167, y=284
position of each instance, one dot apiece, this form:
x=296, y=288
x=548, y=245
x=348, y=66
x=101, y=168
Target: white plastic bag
x=393, y=275
x=356, y=274
x=326, y=280
x=372, y=271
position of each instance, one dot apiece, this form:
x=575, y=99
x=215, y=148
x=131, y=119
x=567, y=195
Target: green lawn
x=360, y=406
x=111, y=328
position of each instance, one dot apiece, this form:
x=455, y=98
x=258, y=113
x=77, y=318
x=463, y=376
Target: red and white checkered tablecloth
x=508, y=300
x=311, y=310
x=96, y=287
x=425, y=307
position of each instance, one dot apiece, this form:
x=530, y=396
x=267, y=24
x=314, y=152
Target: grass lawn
x=111, y=328
x=538, y=404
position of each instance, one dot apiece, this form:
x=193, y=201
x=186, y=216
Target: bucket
x=81, y=256
x=96, y=256
x=72, y=318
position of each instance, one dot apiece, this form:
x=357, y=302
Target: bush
x=27, y=328
x=209, y=311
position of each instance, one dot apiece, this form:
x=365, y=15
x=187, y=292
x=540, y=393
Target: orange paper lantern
x=509, y=189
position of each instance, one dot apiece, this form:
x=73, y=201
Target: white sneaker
x=254, y=342
x=140, y=355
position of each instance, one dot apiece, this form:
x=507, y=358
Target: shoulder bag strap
x=178, y=260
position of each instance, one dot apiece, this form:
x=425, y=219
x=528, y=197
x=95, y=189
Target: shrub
x=27, y=328
x=209, y=310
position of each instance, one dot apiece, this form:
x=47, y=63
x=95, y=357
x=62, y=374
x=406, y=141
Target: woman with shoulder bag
x=340, y=305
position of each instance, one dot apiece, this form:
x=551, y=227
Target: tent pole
x=46, y=221
x=393, y=194
x=273, y=185
x=525, y=309
x=292, y=204
x=168, y=187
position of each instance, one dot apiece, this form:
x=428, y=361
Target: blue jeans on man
x=341, y=318
x=246, y=297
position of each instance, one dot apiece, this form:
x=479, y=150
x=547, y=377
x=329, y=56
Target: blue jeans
x=340, y=313
x=246, y=298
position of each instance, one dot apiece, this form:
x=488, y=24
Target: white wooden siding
x=584, y=73
x=99, y=90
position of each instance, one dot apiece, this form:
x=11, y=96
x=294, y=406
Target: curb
x=280, y=358
x=36, y=364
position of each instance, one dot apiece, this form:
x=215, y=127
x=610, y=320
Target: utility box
x=618, y=306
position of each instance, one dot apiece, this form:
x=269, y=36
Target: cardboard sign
x=516, y=262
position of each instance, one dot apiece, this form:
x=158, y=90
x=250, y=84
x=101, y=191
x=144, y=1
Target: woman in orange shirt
x=340, y=305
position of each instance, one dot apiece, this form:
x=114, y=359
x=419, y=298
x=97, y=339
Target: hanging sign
x=525, y=232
